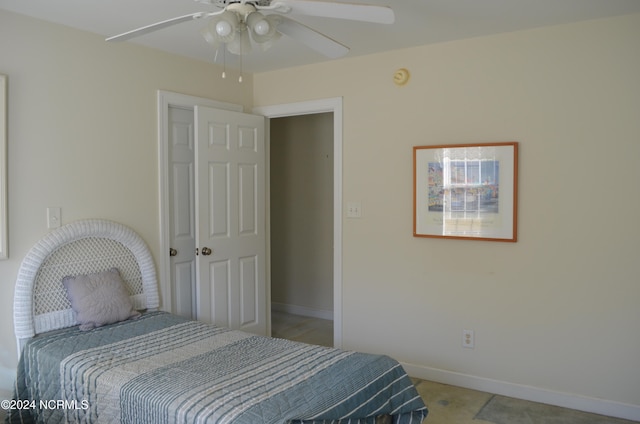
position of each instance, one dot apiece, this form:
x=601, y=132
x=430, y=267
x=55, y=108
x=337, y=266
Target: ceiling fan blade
x=351, y=11
x=312, y=38
x=159, y=25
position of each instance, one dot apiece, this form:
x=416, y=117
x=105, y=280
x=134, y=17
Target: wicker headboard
x=40, y=303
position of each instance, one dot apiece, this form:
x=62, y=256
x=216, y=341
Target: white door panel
x=181, y=200
x=184, y=297
x=218, y=212
x=249, y=283
x=219, y=279
x=230, y=211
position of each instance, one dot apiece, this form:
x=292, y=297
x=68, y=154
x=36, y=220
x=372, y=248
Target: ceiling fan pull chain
x=224, y=64
x=241, y=52
x=224, y=61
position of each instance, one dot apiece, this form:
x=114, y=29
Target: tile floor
x=455, y=405
x=302, y=329
x=448, y=404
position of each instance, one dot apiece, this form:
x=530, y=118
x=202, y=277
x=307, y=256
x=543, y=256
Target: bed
x=149, y=366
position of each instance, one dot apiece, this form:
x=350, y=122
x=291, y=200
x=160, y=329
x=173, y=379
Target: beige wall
x=82, y=136
x=301, y=150
x=558, y=310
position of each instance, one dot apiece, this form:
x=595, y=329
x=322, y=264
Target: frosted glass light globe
x=223, y=28
x=262, y=27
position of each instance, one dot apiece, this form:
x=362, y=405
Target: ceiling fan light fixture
x=263, y=28
x=225, y=26
x=210, y=37
x=240, y=45
x=258, y=24
x=223, y=29
x=264, y=46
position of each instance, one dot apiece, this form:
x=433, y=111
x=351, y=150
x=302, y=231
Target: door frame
x=168, y=99
x=307, y=108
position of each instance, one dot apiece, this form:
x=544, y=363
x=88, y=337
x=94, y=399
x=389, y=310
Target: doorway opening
x=301, y=211
x=334, y=107
x=166, y=271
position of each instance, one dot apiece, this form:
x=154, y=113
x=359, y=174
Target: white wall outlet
x=354, y=209
x=53, y=218
x=468, y=339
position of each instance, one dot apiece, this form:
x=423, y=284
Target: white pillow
x=99, y=299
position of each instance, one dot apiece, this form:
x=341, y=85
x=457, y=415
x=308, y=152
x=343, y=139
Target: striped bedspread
x=165, y=369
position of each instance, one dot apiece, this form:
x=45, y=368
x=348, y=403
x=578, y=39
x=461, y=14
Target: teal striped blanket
x=164, y=369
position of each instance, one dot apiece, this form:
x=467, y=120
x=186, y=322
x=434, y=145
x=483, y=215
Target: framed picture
x=466, y=191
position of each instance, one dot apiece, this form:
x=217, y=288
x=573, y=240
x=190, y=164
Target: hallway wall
x=301, y=151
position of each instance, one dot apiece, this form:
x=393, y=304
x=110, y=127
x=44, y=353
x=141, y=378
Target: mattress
x=162, y=368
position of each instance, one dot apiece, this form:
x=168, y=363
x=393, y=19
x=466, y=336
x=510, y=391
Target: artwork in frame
x=466, y=191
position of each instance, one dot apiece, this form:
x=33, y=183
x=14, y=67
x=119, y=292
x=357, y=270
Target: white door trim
x=165, y=100
x=305, y=108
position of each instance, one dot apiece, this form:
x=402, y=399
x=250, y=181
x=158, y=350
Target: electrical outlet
x=468, y=339
x=354, y=209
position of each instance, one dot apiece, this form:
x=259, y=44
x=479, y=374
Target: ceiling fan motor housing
x=242, y=9
x=224, y=3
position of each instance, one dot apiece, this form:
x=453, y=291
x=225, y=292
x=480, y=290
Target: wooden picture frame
x=466, y=191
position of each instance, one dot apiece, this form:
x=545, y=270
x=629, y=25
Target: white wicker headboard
x=40, y=303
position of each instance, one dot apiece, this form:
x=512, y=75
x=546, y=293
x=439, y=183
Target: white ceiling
x=418, y=22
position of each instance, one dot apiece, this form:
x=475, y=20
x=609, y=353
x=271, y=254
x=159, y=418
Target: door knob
x=172, y=251
x=206, y=251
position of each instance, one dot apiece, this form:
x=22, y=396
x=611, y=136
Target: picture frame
x=466, y=191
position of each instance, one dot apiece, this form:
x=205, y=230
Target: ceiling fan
x=264, y=21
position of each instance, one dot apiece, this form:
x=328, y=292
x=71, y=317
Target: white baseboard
x=302, y=310
x=534, y=394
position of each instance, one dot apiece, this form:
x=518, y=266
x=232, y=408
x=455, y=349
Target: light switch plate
x=53, y=218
